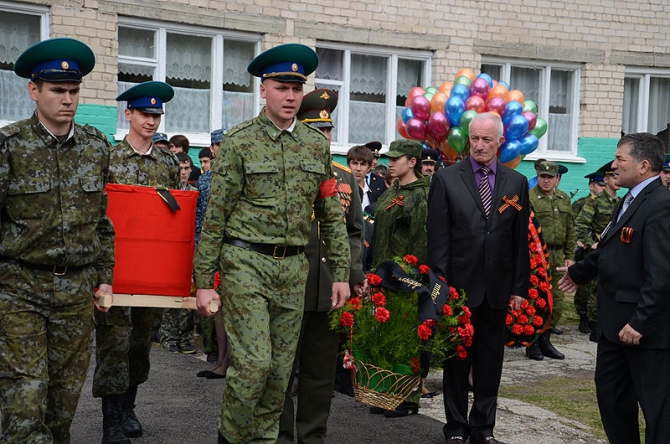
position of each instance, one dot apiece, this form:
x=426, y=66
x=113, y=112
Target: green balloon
x=466, y=118
x=529, y=105
x=431, y=89
x=540, y=128
x=456, y=139
x=463, y=80
x=428, y=95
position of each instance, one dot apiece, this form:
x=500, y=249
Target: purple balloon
x=416, y=128
x=438, y=125
x=531, y=117
x=479, y=87
x=420, y=107
x=496, y=104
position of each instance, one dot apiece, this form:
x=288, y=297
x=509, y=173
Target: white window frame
x=159, y=63
x=543, y=110
x=644, y=75
x=393, y=55
x=45, y=18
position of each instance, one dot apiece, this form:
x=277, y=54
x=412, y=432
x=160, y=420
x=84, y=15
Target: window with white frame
x=555, y=90
x=20, y=28
x=372, y=85
x=646, y=100
x=207, y=69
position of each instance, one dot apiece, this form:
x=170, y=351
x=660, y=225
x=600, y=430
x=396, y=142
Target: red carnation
x=538, y=321
x=463, y=319
x=410, y=259
x=447, y=310
x=430, y=322
x=528, y=330
x=532, y=293
x=379, y=299
x=530, y=311
x=542, y=272
x=461, y=352
x=416, y=365
x=424, y=269
x=347, y=319
x=467, y=311
x=509, y=319
x=524, y=304
x=374, y=280
x=544, y=286
x=541, y=303
x=424, y=332
x=382, y=314
x=453, y=294
x=522, y=319
x=355, y=303
x=443, y=279
x=517, y=329
x=534, y=280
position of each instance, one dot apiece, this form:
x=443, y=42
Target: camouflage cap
x=317, y=107
x=547, y=168
x=666, y=163
x=56, y=60
x=216, y=136
x=160, y=137
x=291, y=62
x=403, y=147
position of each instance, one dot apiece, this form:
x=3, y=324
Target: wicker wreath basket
x=381, y=388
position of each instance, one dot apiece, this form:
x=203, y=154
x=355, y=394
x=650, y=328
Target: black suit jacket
x=632, y=263
x=488, y=258
x=377, y=187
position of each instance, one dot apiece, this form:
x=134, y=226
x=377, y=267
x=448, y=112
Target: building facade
x=593, y=70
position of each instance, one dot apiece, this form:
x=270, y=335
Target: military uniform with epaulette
x=56, y=246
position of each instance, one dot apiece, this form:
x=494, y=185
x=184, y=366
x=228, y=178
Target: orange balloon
x=400, y=126
x=517, y=95
x=416, y=91
x=438, y=101
x=446, y=86
x=513, y=163
x=498, y=91
x=448, y=152
x=467, y=72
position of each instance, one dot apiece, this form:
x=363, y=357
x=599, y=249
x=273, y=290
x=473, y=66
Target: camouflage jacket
x=202, y=185
x=594, y=217
x=400, y=222
x=579, y=204
x=52, y=207
x=555, y=215
x=265, y=184
x=160, y=168
x=320, y=278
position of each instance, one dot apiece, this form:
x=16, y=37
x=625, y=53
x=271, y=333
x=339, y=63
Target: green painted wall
x=100, y=116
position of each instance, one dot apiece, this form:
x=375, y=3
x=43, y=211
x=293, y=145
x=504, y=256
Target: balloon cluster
x=440, y=117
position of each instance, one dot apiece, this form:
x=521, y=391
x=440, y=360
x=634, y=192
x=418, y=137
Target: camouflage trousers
x=556, y=259
x=123, y=338
x=262, y=303
x=208, y=334
x=592, y=302
x=45, y=348
x=177, y=326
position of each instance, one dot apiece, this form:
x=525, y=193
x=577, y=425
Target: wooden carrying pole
x=145, y=300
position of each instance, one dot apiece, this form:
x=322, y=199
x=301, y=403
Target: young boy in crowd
x=205, y=157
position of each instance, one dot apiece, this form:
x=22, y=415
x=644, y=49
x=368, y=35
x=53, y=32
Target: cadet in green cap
x=316, y=355
x=665, y=171
x=552, y=208
x=273, y=174
x=56, y=246
x=124, y=334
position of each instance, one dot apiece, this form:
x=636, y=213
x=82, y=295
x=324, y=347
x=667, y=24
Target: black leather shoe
x=533, y=352
x=584, y=324
x=593, y=337
x=401, y=411
x=547, y=348
x=222, y=439
x=377, y=410
x=455, y=440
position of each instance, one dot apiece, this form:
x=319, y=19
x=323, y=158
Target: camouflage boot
x=111, y=420
x=131, y=426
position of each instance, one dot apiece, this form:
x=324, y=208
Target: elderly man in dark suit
x=631, y=263
x=478, y=214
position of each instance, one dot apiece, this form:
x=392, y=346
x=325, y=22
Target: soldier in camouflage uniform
x=124, y=334
x=400, y=225
x=596, y=186
x=553, y=210
x=316, y=355
x=56, y=246
x=590, y=223
x=271, y=174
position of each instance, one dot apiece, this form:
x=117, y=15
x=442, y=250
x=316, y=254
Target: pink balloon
x=496, y=104
x=476, y=103
x=479, y=87
x=416, y=128
x=420, y=106
x=531, y=117
x=438, y=126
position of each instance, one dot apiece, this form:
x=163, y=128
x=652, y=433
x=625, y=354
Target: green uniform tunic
x=583, y=292
x=52, y=212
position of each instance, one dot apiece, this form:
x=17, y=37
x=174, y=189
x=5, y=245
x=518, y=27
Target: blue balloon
x=487, y=78
x=516, y=127
x=510, y=150
x=532, y=182
x=406, y=114
x=528, y=143
x=512, y=108
x=461, y=91
x=505, y=84
x=454, y=109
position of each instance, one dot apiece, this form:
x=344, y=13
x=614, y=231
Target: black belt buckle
x=283, y=253
x=60, y=270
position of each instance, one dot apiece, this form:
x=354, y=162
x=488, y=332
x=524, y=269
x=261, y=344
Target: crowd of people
x=284, y=235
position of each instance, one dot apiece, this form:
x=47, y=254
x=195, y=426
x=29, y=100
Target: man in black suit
x=478, y=215
x=375, y=182
x=631, y=263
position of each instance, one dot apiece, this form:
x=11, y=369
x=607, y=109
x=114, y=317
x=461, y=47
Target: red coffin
x=154, y=246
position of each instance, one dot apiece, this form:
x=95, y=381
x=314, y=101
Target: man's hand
x=568, y=263
x=566, y=283
x=629, y=336
x=362, y=287
x=580, y=244
x=594, y=246
x=340, y=295
x=203, y=298
x=105, y=289
x=515, y=301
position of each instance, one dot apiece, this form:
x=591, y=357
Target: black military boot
x=533, y=352
x=593, y=337
x=111, y=420
x=584, y=324
x=131, y=426
x=547, y=348
x=222, y=439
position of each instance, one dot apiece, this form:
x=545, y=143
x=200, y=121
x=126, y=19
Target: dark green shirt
x=594, y=217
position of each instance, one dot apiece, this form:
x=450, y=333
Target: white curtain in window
x=15, y=103
x=237, y=107
x=236, y=58
x=136, y=43
x=189, y=57
x=188, y=111
x=560, y=89
x=330, y=64
x=17, y=33
x=409, y=75
x=558, y=132
x=526, y=80
x=659, y=104
x=121, y=122
x=631, y=103
x=368, y=74
x=367, y=122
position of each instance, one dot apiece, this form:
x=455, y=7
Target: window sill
x=555, y=157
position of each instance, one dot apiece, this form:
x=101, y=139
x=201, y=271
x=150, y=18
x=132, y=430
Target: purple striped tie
x=485, y=190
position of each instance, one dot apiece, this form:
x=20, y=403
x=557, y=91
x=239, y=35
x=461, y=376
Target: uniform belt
x=58, y=270
x=555, y=247
x=276, y=251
